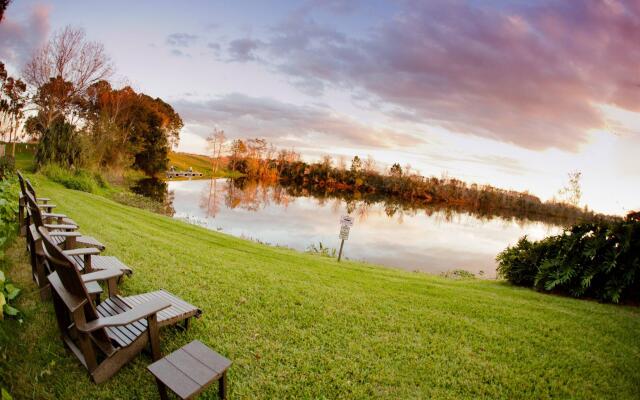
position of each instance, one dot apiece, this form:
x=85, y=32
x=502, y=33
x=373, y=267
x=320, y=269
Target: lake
x=417, y=240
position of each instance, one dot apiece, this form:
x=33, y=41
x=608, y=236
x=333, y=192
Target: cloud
x=243, y=50
x=181, y=39
x=533, y=75
x=19, y=39
x=286, y=124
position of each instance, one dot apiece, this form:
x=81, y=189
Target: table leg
x=162, y=389
x=222, y=386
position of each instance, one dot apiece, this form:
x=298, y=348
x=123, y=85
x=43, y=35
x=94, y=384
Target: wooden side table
x=190, y=370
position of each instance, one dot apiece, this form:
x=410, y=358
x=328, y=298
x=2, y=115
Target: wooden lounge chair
x=86, y=259
x=43, y=203
x=106, y=337
x=60, y=224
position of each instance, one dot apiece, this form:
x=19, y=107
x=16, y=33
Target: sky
x=516, y=94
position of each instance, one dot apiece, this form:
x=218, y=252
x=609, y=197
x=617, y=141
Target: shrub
x=7, y=166
x=598, y=259
x=322, y=250
x=77, y=180
x=458, y=274
x=8, y=229
x=60, y=144
x=8, y=209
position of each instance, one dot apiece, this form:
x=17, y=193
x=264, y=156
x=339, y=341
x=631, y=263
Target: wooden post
x=340, y=252
x=222, y=386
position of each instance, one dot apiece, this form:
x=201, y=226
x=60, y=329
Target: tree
x=356, y=165
x=66, y=59
x=3, y=6
x=238, y=152
x=215, y=143
x=572, y=193
x=128, y=128
x=12, y=103
x=369, y=165
x=60, y=144
x=395, y=170
x=152, y=124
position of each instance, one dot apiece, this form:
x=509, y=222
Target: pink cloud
x=529, y=75
x=18, y=39
x=243, y=116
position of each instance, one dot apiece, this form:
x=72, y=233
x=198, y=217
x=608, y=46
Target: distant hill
x=198, y=162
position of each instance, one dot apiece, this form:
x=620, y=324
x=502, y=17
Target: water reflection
x=158, y=191
x=433, y=239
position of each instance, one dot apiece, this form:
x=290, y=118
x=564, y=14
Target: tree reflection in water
x=156, y=190
x=253, y=195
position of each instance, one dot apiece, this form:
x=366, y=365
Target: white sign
x=344, y=232
x=346, y=220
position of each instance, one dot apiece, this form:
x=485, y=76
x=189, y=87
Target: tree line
x=65, y=101
x=398, y=188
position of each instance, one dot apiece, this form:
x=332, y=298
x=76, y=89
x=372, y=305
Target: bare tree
x=67, y=58
x=369, y=164
x=572, y=193
x=215, y=143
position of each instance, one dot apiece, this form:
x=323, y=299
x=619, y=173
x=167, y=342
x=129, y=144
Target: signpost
x=346, y=222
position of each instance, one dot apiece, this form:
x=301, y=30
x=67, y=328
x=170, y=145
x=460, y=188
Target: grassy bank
x=303, y=326
x=199, y=162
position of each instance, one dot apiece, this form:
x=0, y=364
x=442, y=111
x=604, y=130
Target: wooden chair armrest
x=53, y=215
x=138, y=312
x=82, y=251
x=67, y=234
x=60, y=226
x=43, y=199
x=102, y=275
x=47, y=206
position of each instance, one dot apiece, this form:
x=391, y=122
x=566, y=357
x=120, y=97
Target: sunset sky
x=512, y=93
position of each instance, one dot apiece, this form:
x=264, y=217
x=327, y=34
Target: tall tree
x=12, y=103
x=215, y=142
x=154, y=123
x=129, y=128
x=67, y=58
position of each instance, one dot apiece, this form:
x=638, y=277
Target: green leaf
x=2, y=303
x=2, y=278
x=12, y=291
x=12, y=311
x=5, y=395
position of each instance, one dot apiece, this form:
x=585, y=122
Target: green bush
x=598, y=260
x=7, y=166
x=60, y=144
x=79, y=179
x=8, y=230
x=8, y=209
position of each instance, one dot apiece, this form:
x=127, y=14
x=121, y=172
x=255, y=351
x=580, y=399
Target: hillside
x=302, y=326
x=198, y=162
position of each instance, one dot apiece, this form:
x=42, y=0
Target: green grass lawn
x=303, y=326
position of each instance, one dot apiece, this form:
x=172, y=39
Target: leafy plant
x=7, y=166
x=60, y=144
x=459, y=274
x=8, y=292
x=322, y=250
x=8, y=225
x=598, y=259
x=79, y=179
x=4, y=395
